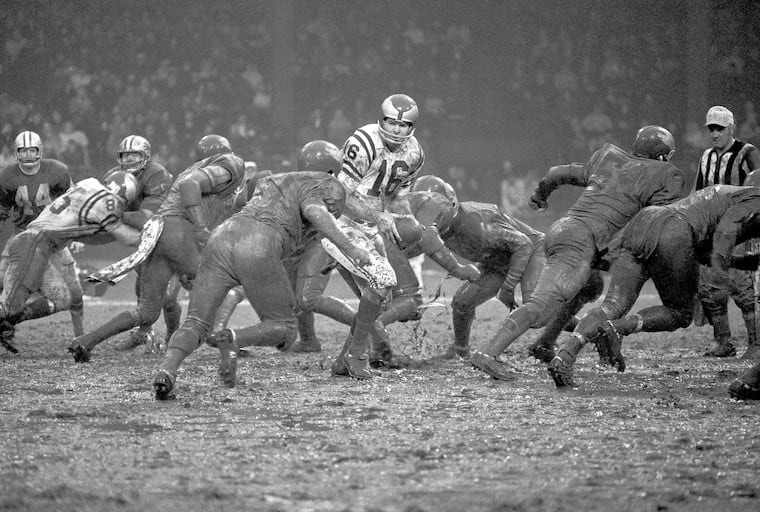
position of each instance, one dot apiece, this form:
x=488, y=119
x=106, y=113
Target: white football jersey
x=86, y=208
x=376, y=172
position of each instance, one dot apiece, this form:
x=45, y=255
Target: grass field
x=438, y=436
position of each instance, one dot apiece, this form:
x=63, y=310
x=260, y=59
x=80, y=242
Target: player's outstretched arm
x=324, y=222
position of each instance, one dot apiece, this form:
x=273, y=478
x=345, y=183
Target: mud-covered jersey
x=374, y=171
x=732, y=212
x=279, y=201
x=25, y=196
x=618, y=185
x=225, y=172
x=153, y=182
x=728, y=168
x=480, y=232
x=87, y=208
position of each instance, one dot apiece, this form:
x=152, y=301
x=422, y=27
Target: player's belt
x=115, y=272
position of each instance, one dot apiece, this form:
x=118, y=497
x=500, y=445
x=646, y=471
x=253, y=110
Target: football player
x=89, y=212
x=288, y=211
x=617, y=185
x=26, y=188
x=666, y=244
x=153, y=183
x=199, y=199
x=380, y=162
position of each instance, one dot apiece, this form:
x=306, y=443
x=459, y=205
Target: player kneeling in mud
x=287, y=212
x=666, y=244
x=89, y=212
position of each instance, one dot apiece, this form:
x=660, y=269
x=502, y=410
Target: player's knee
x=185, y=339
x=145, y=317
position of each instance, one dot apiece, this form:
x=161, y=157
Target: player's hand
x=361, y=256
x=76, y=247
x=201, y=236
x=386, y=225
x=537, y=204
x=507, y=297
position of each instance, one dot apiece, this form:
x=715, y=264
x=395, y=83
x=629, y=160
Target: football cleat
x=382, y=356
x=491, y=366
x=561, y=370
x=7, y=331
x=721, y=349
x=311, y=345
x=163, y=384
x=224, y=340
x=608, y=343
x=455, y=350
x=81, y=353
x=352, y=366
x=542, y=353
x=136, y=338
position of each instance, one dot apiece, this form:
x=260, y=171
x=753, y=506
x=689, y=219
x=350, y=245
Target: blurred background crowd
x=505, y=89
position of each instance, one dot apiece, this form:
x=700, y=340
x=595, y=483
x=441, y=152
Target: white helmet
x=134, y=153
x=123, y=184
x=401, y=108
x=28, y=146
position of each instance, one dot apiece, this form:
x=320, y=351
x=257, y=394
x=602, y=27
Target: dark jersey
x=27, y=195
x=225, y=172
x=730, y=211
x=279, y=200
x=480, y=232
x=154, y=182
x=618, y=185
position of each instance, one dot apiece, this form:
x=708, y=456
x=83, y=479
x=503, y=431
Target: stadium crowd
x=84, y=80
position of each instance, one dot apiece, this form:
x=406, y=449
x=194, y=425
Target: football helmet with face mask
x=28, y=149
x=402, y=109
x=134, y=153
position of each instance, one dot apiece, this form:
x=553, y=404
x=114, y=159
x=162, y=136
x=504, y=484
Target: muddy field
x=439, y=436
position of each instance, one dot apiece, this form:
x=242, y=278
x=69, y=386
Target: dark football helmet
x=432, y=183
x=654, y=142
x=211, y=145
x=320, y=156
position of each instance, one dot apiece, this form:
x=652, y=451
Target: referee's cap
x=719, y=115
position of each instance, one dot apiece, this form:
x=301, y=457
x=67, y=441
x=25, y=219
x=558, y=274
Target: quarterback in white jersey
x=380, y=163
x=89, y=212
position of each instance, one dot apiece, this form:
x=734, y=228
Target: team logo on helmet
x=134, y=153
x=398, y=107
x=320, y=156
x=123, y=184
x=28, y=148
x=654, y=142
x=211, y=145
